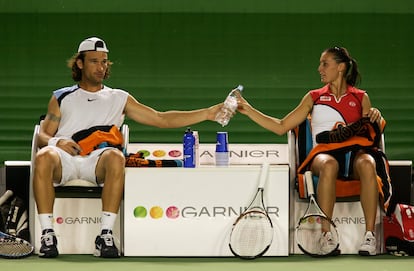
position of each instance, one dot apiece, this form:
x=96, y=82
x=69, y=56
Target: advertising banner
x=77, y=222
x=350, y=222
x=190, y=211
x=240, y=154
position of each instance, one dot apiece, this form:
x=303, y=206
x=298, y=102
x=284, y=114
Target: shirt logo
x=326, y=98
x=91, y=100
x=352, y=104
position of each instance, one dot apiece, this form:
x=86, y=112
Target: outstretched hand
x=213, y=110
x=242, y=105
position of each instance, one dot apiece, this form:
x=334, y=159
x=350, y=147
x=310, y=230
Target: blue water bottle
x=189, y=149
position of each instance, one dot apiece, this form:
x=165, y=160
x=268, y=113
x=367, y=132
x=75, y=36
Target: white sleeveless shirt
x=81, y=109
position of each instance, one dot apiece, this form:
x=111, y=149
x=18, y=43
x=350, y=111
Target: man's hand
x=69, y=146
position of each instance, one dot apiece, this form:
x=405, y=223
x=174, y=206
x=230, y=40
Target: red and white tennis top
x=328, y=111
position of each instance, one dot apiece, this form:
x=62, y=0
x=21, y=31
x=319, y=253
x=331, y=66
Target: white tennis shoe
x=369, y=245
x=327, y=243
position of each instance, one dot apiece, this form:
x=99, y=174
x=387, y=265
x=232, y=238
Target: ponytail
x=341, y=55
x=352, y=76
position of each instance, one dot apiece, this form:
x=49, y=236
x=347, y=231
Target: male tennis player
x=88, y=106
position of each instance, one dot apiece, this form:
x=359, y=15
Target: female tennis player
x=337, y=101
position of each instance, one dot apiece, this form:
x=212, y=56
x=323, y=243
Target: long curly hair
x=77, y=72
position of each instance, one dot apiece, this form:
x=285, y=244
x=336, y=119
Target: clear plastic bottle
x=230, y=105
x=189, y=149
x=196, y=149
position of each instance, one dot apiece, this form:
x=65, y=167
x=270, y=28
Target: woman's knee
x=325, y=164
x=364, y=162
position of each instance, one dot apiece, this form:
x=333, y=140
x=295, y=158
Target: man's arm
x=49, y=127
x=168, y=119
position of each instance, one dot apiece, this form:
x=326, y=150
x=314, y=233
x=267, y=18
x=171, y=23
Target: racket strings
x=14, y=247
x=251, y=235
x=314, y=240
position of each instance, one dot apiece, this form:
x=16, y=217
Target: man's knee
x=113, y=158
x=46, y=157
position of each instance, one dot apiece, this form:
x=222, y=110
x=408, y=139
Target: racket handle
x=309, y=182
x=263, y=174
x=5, y=196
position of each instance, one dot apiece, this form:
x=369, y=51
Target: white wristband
x=53, y=141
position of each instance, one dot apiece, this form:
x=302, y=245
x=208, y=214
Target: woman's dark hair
x=341, y=55
x=77, y=73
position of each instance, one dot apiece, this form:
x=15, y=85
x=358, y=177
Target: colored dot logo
x=157, y=212
x=159, y=153
x=174, y=153
x=144, y=153
x=59, y=220
x=311, y=219
x=140, y=212
x=172, y=212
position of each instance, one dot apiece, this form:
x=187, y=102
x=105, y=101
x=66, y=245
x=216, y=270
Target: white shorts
x=78, y=167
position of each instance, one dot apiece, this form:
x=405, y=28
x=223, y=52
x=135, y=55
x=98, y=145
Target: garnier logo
x=174, y=212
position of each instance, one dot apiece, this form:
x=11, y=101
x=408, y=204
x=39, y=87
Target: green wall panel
x=187, y=60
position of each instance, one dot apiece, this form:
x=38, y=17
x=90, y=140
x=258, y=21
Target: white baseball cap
x=93, y=44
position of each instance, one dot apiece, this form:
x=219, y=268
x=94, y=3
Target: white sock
x=108, y=220
x=46, y=221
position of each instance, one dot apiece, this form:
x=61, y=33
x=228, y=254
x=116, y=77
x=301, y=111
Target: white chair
x=348, y=212
x=77, y=203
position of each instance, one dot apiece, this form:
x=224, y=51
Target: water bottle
x=196, y=149
x=230, y=105
x=189, y=149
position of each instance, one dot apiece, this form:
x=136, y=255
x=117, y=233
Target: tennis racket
x=12, y=247
x=252, y=232
x=5, y=196
x=316, y=234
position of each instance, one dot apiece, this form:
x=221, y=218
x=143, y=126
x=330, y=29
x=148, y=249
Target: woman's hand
x=242, y=105
x=374, y=115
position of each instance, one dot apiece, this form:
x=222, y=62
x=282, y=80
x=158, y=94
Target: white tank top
x=81, y=109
